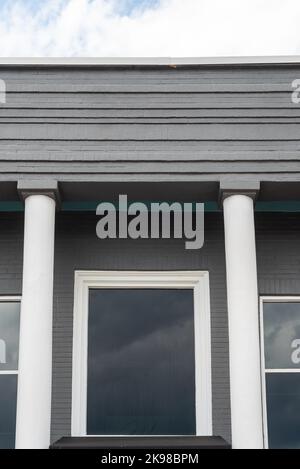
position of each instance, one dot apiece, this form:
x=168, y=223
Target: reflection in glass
x=282, y=335
x=9, y=335
x=141, y=362
x=283, y=407
x=8, y=399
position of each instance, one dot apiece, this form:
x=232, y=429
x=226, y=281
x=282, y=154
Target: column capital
x=230, y=187
x=38, y=187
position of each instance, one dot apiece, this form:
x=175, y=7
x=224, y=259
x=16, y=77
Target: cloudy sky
x=101, y=28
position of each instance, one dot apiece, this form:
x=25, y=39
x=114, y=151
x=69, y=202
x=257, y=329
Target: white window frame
x=264, y=370
x=198, y=281
x=11, y=299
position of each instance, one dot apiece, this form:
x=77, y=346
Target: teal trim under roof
x=279, y=206
x=210, y=206
x=11, y=207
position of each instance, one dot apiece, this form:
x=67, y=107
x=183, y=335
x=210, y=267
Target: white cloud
x=97, y=28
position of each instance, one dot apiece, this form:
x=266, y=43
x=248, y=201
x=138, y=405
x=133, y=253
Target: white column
x=35, y=351
x=243, y=316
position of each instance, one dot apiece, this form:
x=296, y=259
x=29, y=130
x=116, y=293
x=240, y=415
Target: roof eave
x=149, y=61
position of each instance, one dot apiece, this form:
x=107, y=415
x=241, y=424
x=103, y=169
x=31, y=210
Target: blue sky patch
x=122, y=7
x=128, y=7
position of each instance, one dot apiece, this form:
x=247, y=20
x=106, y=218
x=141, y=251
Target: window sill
x=140, y=442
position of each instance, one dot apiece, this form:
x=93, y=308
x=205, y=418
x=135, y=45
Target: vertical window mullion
x=9, y=350
x=280, y=334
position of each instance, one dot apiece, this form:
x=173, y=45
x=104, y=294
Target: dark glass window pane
x=9, y=335
x=8, y=402
x=282, y=335
x=283, y=406
x=141, y=362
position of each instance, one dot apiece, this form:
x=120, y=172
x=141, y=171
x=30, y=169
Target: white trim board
x=10, y=298
x=198, y=281
x=270, y=299
x=148, y=61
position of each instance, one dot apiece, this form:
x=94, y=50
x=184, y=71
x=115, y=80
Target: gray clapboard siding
x=154, y=177
x=149, y=100
x=179, y=88
x=153, y=75
x=86, y=132
x=140, y=120
x=144, y=167
x=156, y=123
x=151, y=114
x=152, y=124
x=75, y=155
x=155, y=146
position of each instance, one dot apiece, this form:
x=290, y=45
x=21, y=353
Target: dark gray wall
x=278, y=253
x=11, y=253
x=83, y=250
x=155, y=123
x=77, y=247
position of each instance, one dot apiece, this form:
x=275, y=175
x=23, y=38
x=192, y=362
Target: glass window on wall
x=9, y=349
x=280, y=327
x=141, y=362
x=142, y=354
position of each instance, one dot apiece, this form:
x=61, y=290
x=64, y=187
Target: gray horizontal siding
x=149, y=100
x=161, y=88
x=151, y=115
x=273, y=74
x=23, y=152
x=165, y=132
x=143, y=167
x=186, y=123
